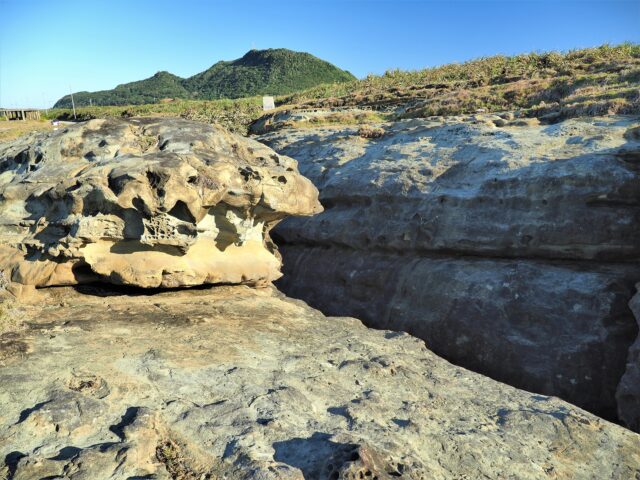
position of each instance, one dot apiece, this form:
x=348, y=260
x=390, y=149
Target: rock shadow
x=317, y=456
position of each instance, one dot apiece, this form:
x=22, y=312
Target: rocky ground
x=463, y=237
x=233, y=382
x=509, y=246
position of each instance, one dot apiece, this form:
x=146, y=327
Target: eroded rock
x=144, y=202
x=628, y=393
x=511, y=251
x=233, y=382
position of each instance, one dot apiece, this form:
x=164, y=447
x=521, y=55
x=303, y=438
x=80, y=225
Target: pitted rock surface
x=242, y=383
x=144, y=202
x=511, y=251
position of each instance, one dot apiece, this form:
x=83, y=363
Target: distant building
x=21, y=113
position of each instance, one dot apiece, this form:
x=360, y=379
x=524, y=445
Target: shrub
x=367, y=131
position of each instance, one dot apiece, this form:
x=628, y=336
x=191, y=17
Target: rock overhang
x=153, y=202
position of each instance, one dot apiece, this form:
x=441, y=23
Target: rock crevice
x=511, y=251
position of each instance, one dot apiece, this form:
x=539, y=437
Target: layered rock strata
x=511, y=251
x=144, y=202
x=243, y=383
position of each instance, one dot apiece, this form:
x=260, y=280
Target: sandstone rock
x=628, y=394
x=512, y=252
x=233, y=382
x=144, y=202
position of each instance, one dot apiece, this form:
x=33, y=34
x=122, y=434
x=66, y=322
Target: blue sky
x=48, y=47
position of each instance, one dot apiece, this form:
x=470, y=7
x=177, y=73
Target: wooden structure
x=21, y=113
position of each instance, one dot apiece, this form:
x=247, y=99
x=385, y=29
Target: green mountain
x=260, y=72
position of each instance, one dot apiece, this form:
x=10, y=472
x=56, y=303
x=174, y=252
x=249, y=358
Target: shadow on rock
x=317, y=457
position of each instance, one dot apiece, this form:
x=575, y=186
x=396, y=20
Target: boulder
x=512, y=252
x=152, y=202
x=242, y=383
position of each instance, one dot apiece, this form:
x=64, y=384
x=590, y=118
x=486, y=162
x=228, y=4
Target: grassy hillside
x=581, y=82
x=259, y=72
x=591, y=81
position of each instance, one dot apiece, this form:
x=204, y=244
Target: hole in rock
x=127, y=419
x=154, y=179
x=24, y=414
x=316, y=456
x=11, y=461
x=66, y=453
x=181, y=212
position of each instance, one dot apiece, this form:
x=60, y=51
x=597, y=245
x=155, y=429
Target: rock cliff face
x=628, y=394
x=511, y=251
x=233, y=382
x=144, y=202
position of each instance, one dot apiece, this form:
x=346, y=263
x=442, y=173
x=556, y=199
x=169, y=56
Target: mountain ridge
x=274, y=71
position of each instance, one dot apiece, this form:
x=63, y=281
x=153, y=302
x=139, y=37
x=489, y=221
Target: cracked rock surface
x=151, y=202
x=239, y=383
x=511, y=251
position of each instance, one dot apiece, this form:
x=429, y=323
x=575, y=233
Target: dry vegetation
x=14, y=129
x=168, y=453
x=367, y=131
x=235, y=115
x=591, y=81
x=551, y=86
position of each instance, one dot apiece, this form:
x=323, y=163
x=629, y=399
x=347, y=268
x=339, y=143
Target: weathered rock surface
x=144, y=202
x=233, y=382
x=628, y=394
x=511, y=251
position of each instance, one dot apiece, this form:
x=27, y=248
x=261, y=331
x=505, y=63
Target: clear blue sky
x=48, y=46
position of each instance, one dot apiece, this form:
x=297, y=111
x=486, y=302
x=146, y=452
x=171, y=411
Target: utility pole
x=44, y=102
x=73, y=104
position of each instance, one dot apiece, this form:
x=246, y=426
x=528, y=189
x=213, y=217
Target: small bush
x=367, y=131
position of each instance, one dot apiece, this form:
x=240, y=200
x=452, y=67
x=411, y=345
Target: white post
x=73, y=104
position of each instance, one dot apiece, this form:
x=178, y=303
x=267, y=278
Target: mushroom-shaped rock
x=153, y=202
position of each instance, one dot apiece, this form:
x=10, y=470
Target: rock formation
x=233, y=382
x=511, y=251
x=628, y=394
x=144, y=202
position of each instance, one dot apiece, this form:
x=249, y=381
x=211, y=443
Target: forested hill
x=258, y=72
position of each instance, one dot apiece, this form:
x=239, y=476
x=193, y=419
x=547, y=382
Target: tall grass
x=483, y=71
